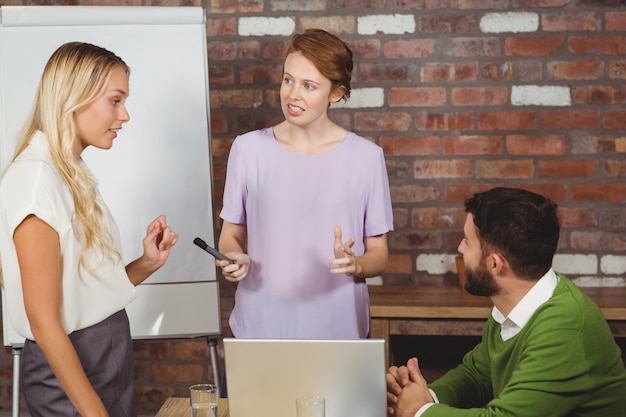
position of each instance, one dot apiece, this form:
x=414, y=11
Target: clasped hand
x=407, y=390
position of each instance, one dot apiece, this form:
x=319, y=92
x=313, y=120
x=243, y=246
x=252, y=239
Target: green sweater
x=563, y=363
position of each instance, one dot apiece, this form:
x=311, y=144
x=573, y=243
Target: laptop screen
x=265, y=376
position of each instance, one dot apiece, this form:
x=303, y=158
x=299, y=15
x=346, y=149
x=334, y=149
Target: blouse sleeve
x=378, y=214
x=30, y=190
x=235, y=188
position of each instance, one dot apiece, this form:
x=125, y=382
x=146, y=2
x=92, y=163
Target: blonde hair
x=75, y=74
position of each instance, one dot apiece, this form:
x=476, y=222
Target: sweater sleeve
x=473, y=375
x=542, y=382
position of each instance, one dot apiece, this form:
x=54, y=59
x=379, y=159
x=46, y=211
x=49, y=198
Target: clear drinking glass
x=310, y=406
x=203, y=398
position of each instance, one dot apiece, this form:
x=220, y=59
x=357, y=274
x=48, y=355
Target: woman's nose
x=124, y=115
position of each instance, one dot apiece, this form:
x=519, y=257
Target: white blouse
x=31, y=185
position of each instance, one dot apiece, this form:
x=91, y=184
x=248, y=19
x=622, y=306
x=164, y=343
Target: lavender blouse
x=290, y=204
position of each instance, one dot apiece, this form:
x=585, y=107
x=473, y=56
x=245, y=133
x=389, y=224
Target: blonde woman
x=66, y=285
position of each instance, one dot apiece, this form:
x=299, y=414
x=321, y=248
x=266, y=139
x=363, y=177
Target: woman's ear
x=336, y=95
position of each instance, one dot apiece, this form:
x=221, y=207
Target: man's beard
x=480, y=282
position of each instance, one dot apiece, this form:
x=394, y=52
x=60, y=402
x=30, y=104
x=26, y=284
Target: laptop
x=265, y=376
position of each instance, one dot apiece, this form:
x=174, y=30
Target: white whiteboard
x=160, y=162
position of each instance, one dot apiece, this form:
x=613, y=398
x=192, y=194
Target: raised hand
x=345, y=261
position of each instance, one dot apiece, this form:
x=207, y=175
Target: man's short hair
x=520, y=225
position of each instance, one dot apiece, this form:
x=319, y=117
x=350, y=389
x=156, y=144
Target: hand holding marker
x=217, y=254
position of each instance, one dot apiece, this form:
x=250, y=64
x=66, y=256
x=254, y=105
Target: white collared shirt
x=523, y=311
x=519, y=316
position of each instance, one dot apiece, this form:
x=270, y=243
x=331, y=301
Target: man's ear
x=496, y=263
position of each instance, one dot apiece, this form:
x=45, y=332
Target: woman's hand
x=237, y=270
x=159, y=240
x=345, y=261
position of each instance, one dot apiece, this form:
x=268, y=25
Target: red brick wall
x=447, y=125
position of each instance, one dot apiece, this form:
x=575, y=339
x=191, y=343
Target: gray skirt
x=106, y=354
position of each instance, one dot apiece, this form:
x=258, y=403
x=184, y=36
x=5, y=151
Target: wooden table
x=450, y=311
x=180, y=407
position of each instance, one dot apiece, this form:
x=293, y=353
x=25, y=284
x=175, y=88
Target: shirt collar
x=526, y=307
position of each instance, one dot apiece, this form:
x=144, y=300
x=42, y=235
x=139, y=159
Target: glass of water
x=203, y=398
x=310, y=406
